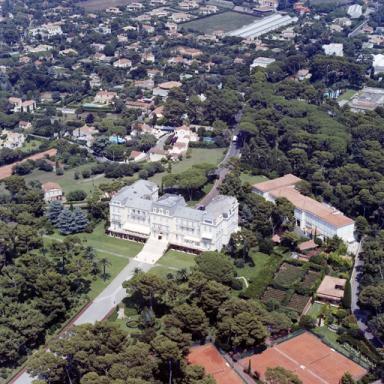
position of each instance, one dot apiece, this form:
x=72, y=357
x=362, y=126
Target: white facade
x=378, y=63
x=137, y=211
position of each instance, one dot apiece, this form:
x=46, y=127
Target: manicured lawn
x=67, y=181
x=330, y=338
x=347, y=95
x=260, y=275
x=173, y=261
x=117, y=251
x=315, y=310
x=252, y=179
x=226, y=21
x=31, y=145
x=198, y=156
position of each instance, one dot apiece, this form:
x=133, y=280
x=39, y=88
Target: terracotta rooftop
x=331, y=287
x=284, y=181
x=48, y=186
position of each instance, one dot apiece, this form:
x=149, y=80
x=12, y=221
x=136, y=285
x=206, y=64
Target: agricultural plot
x=273, y=294
x=298, y=302
x=226, y=21
x=311, y=278
x=288, y=275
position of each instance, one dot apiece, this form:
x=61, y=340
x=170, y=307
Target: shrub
x=77, y=195
x=236, y=284
x=86, y=173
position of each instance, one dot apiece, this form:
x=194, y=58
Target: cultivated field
x=97, y=5
x=226, y=21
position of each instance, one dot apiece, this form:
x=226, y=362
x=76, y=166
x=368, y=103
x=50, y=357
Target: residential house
x=138, y=156
x=85, y=134
x=137, y=212
x=147, y=57
x=122, y=63
x=25, y=125
x=105, y=97
x=188, y=4
x=180, y=17
x=331, y=290
x=27, y=106
x=164, y=88
x=52, y=192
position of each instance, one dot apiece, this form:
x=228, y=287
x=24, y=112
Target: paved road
x=361, y=315
x=233, y=151
x=100, y=306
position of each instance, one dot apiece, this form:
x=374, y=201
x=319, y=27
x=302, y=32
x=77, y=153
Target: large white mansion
x=138, y=213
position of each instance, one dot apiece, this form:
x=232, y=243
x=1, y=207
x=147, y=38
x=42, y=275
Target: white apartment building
x=311, y=216
x=138, y=213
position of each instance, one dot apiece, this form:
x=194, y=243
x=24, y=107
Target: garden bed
x=298, y=302
x=288, y=275
x=273, y=294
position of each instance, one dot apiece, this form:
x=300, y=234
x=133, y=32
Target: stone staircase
x=152, y=251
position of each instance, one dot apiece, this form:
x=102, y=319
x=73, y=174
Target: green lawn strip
x=261, y=274
x=252, y=179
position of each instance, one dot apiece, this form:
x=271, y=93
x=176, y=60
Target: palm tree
x=104, y=262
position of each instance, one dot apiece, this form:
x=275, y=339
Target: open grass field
x=260, y=275
x=97, y=5
x=67, y=181
x=117, y=251
x=198, y=156
x=173, y=261
x=252, y=179
x=226, y=21
x=31, y=145
x=347, y=95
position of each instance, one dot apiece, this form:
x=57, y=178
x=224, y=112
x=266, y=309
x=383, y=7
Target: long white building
x=311, y=216
x=263, y=26
x=138, y=213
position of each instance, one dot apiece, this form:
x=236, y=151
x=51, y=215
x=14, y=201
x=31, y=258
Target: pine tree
x=54, y=210
x=66, y=222
x=80, y=220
